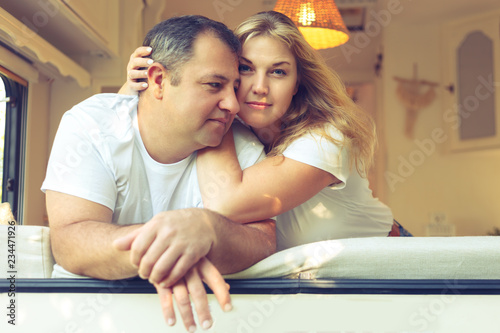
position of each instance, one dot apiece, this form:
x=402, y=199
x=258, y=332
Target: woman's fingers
x=137, y=74
x=216, y=283
x=167, y=304
x=190, y=292
x=137, y=68
x=137, y=86
x=181, y=295
x=199, y=298
x=141, y=51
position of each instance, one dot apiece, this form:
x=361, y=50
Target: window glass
x=3, y=103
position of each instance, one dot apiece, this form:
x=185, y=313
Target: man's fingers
x=181, y=296
x=216, y=282
x=125, y=243
x=141, y=245
x=167, y=304
x=168, y=275
x=158, y=261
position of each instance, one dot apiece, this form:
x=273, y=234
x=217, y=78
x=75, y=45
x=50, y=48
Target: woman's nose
x=260, y=86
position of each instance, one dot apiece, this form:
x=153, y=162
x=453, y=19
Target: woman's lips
x=258, y=105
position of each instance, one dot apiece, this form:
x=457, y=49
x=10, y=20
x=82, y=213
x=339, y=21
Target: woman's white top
x=343, y=210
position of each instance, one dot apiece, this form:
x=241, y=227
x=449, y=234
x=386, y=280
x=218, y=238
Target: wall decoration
x=415, y=95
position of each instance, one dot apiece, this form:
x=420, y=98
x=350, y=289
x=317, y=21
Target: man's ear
x=158, y=79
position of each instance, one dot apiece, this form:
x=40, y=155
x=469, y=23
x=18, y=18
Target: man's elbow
x=268, y=231
x=63, y=252
x=271, y=234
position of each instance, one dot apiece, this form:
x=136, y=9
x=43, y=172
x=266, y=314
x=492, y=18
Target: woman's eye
x=243, y=68
x=279, y=72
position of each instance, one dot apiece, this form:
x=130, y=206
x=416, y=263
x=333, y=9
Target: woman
x=319, y=144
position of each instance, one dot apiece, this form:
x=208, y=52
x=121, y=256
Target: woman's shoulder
x=322, y=142
x=324, y=134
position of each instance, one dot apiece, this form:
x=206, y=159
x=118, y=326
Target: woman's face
x=268, y=73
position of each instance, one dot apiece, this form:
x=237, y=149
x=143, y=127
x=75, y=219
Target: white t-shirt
x=98, y=155
x=344, y=210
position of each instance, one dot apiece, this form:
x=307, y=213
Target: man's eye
x=214, y=84
x=243, y=68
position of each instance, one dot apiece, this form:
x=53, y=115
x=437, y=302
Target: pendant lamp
x=318, y=20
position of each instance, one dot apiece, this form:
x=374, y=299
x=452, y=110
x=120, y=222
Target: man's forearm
x=82, y=237
x=238, y=246
x=86, y=248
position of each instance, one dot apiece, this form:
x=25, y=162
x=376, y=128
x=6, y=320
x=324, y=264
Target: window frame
x=16, y=90
x=323, y=286
x=383, y=305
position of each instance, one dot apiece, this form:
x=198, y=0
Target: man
x=120, y=161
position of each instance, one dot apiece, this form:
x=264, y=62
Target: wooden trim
x=39, y=50
x=13, y=76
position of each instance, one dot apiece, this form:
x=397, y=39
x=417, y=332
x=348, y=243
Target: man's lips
x=258, y=105
x=223, y=121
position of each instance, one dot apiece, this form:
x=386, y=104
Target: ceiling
x=233, y=12
x=355, y=61
x=358, y=57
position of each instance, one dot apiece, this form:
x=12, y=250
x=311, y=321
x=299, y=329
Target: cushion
x=32, y=250
x=471, y=257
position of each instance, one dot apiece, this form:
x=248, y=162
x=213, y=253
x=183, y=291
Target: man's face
x=202, y=107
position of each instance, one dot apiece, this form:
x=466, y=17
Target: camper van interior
x=428, y=72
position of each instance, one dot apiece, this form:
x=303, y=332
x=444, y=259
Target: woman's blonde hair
x=321, y=97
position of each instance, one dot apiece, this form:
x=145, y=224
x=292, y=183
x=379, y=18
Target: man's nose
x=230, y=103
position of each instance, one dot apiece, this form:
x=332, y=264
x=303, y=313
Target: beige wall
x=49, y=98
x=424, y=177
x=36, y=151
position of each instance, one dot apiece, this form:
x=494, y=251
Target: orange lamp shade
x=318, y=20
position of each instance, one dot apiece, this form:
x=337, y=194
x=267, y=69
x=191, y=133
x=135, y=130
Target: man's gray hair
x=172, y=41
